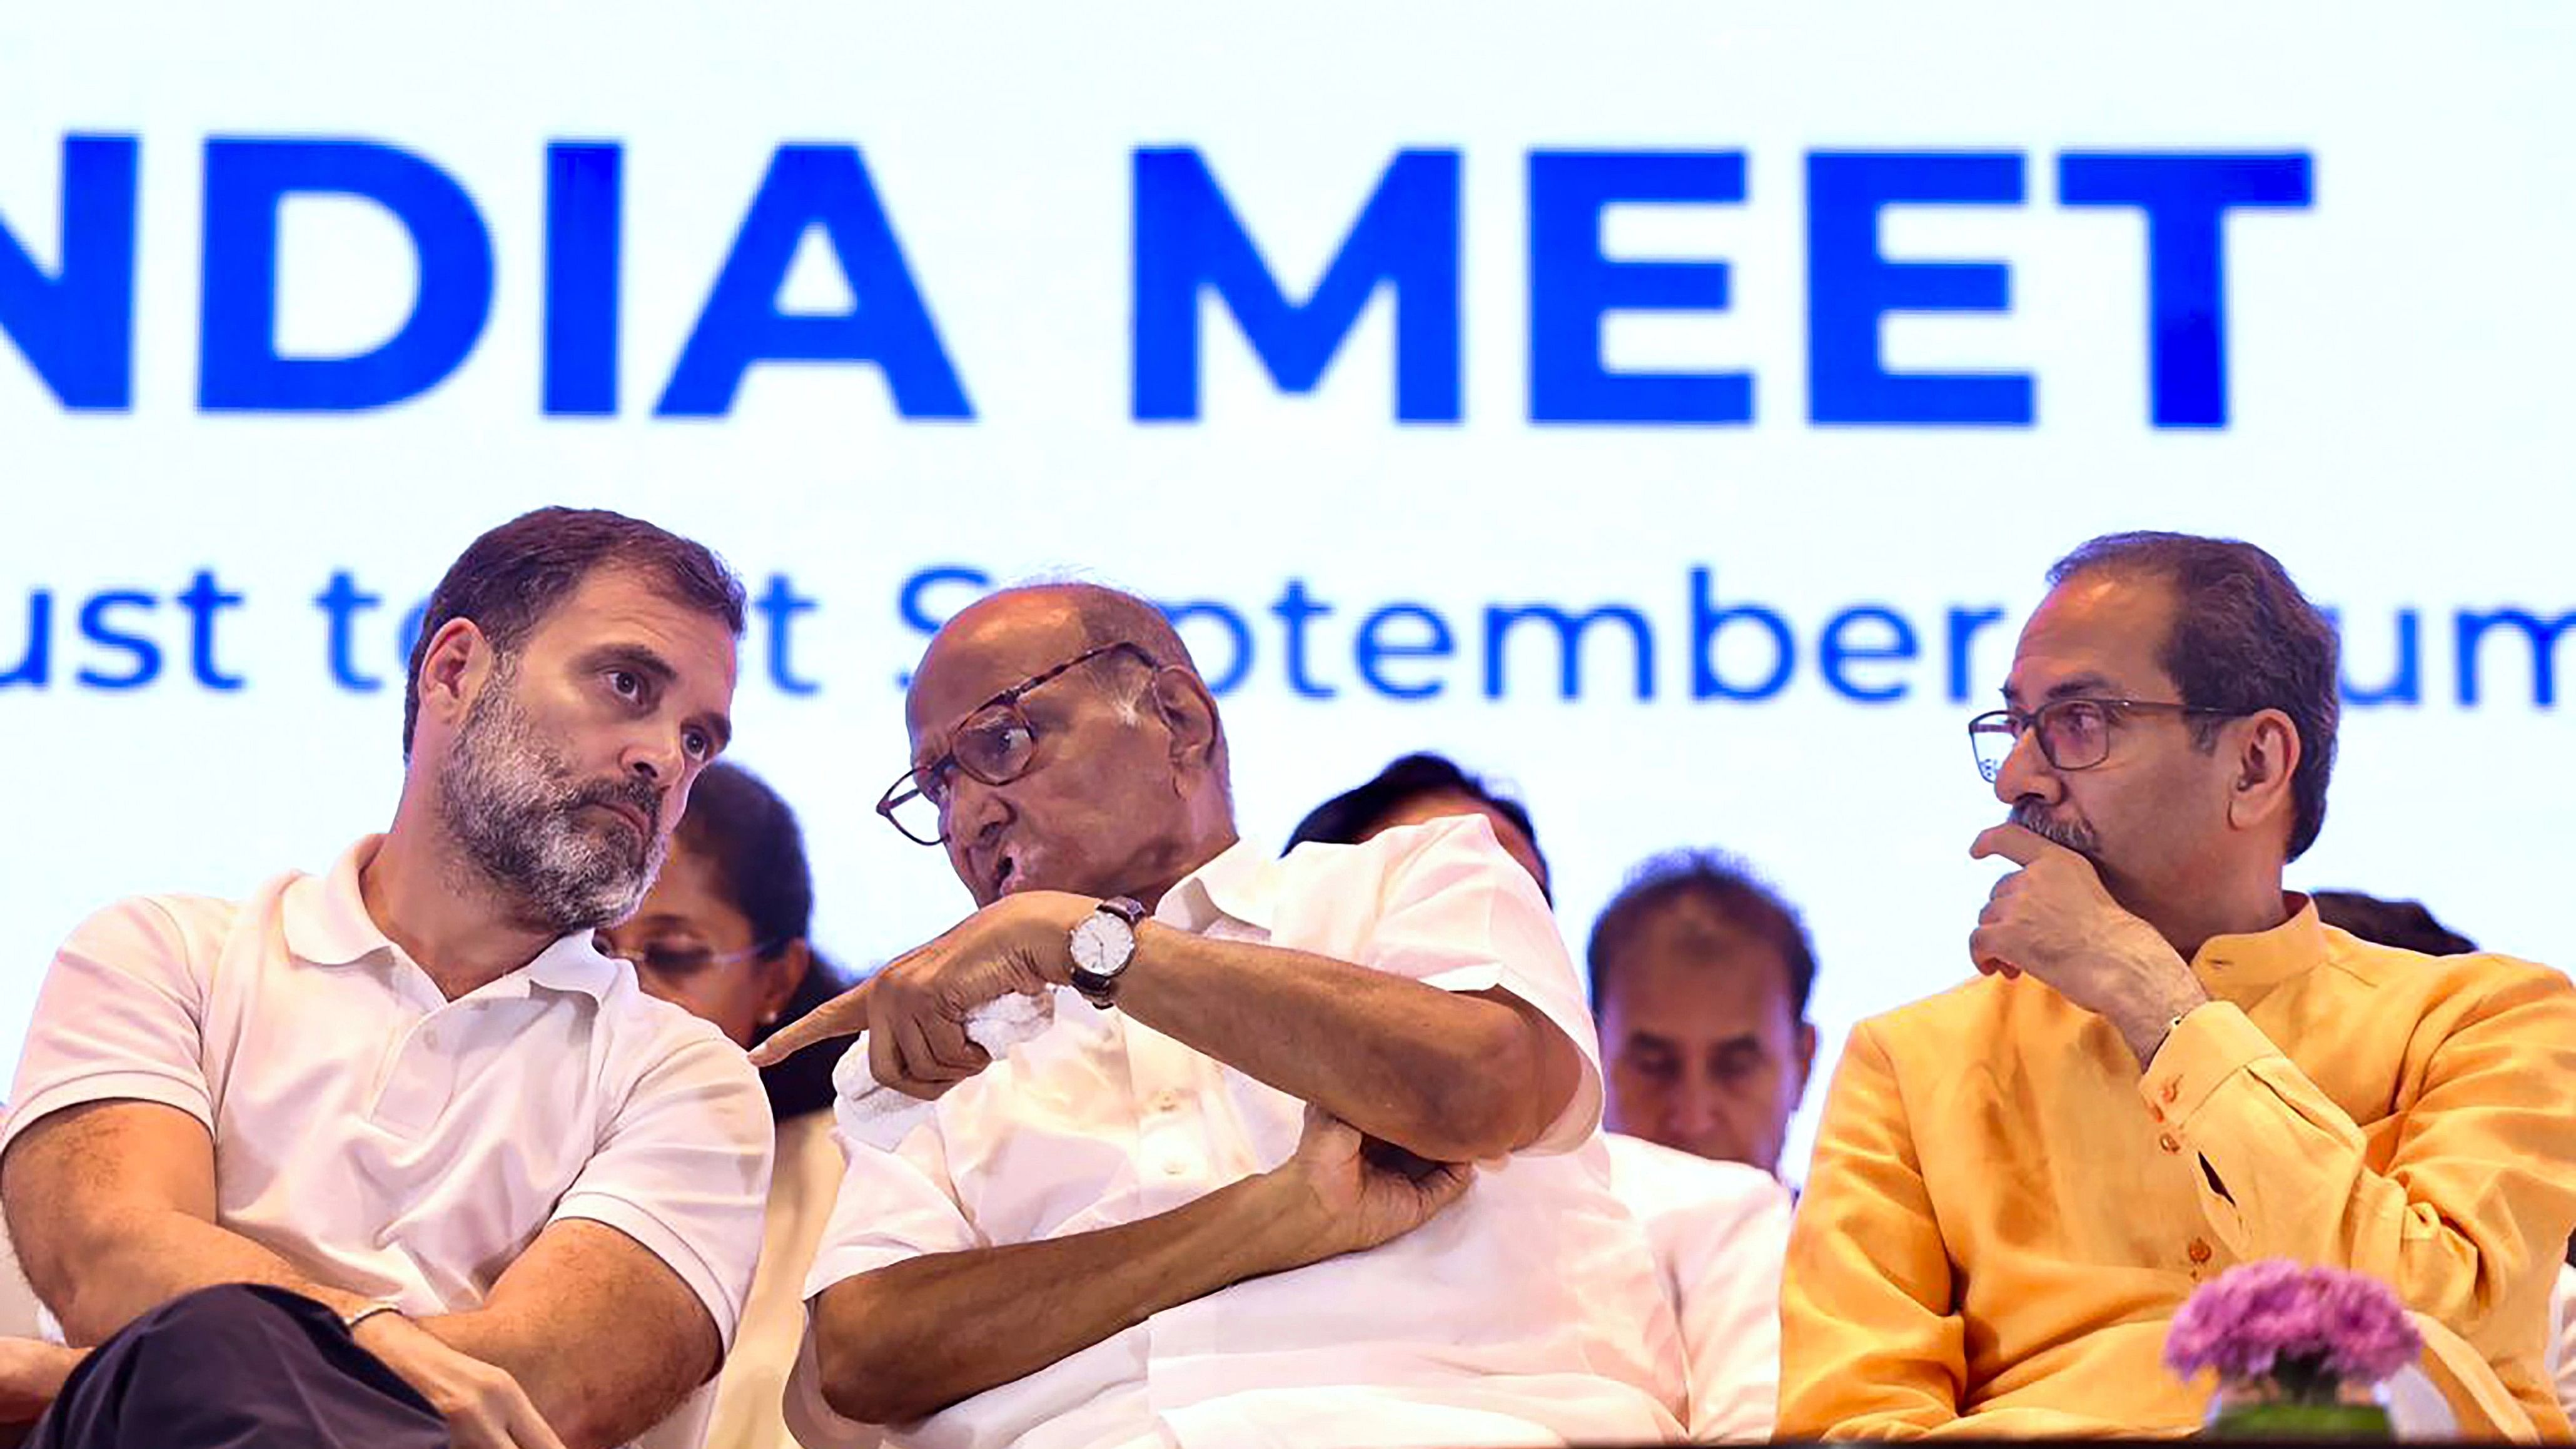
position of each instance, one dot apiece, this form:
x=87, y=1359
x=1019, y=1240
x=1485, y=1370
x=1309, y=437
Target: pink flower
x=2304, y=1326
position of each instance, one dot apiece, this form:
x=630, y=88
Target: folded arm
x=2479, y=1191
x=112, y=1205
x=1449, y=1076
x=904, y=1341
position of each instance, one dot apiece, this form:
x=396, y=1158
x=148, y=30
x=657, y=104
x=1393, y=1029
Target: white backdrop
x=2395, y=425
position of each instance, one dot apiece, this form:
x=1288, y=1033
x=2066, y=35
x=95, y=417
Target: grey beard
x=509, y=802
x=2074, y=835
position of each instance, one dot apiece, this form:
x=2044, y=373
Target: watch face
x=1096, y=947
x=1088, y=948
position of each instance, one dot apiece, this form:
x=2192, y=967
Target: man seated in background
x=2170, y=1066
x=393, y=1156
x=1417, y=788
x=1312, y=1159
x=1700, y=975
x=2403, y=924
x=1708, y=1049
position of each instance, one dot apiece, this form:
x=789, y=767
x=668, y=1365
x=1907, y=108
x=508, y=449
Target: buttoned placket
x=418, y=1077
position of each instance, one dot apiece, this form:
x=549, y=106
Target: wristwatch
x=1102, y=945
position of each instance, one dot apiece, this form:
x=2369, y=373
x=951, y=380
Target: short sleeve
x=892, y=1206
x=121, y=1016
x=683, y=1169
x=1457, y=912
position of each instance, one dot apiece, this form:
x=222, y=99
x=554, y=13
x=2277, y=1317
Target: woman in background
x=723, y=934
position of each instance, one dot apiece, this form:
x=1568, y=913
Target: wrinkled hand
x=31, y=1376
x=483, y=1405
x=1354, y=1193
x=914, y=1011
x=2053, y=920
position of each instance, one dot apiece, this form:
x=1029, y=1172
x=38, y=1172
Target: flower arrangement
x=2296, y=1349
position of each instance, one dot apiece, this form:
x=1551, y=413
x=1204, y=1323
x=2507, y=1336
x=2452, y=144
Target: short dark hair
x=1348, y=818
x=1725, y=885
x=2244, y=639
x=751, y=841
x=2406, y=925
x=508, y=580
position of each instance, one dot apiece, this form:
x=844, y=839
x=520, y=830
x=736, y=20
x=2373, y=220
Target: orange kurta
x=2004, y=1214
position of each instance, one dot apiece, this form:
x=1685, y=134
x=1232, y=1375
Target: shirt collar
x=2260, y=960
x=326, y=923
x=1241, y=882
x=325, y=916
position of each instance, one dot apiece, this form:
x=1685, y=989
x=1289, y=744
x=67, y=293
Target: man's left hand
x=914, y=1010
x=2052, y=919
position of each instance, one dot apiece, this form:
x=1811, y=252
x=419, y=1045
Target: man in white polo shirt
x=391, y=1155
x=1314, y=1157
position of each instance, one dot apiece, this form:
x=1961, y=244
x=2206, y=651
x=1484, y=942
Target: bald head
x=1117, y=763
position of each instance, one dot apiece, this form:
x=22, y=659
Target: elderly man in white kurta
x=1312, y=1158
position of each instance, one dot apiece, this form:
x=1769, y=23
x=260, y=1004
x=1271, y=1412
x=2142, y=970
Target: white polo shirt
x=1528, y=1312
x=1720, y=1232
x=388, y=1141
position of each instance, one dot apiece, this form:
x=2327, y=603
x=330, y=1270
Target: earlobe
x=2270, y=756
x=1188, y=714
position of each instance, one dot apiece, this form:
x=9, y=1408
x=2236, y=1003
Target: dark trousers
x=237, y=1367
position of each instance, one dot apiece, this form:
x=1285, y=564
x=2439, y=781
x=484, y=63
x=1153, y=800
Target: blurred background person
x=723, y=933
x=2403, y=924
x=1417, y=788
x=1718, y=1220
x=1700, y=976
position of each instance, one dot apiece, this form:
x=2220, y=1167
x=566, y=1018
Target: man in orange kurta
x=2170, y=1066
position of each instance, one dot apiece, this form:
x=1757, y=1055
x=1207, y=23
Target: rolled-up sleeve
x=120, y=1017
x=1457, y=912
x=684, y=1170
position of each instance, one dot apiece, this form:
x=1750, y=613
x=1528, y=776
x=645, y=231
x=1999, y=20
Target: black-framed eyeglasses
x=2074, y=734
x=995, y=745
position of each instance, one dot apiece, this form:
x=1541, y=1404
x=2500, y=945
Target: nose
x=1695, y=1109
x=975, y=811
x=2026, y=773
x=658, y=761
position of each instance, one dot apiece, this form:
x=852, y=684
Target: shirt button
x=2199, y=1250
x=1167, y=1101
x=2172, y=1089
x=2167, y=1142
x=2156, y=1112
x=1174, y=1167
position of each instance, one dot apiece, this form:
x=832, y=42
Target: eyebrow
x=642, y=660
x=2087, y=683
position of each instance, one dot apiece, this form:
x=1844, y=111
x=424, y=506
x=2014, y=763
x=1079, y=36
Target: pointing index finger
x=843, y=1015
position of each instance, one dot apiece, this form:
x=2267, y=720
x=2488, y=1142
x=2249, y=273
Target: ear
x=786, y=972
x=2266, y=756
x=453, y=670
x=1806, y=1062
x=1188, y=711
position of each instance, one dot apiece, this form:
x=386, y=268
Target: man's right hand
x=484, y=1407
x=31, y=1377
x=1348, y=1199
